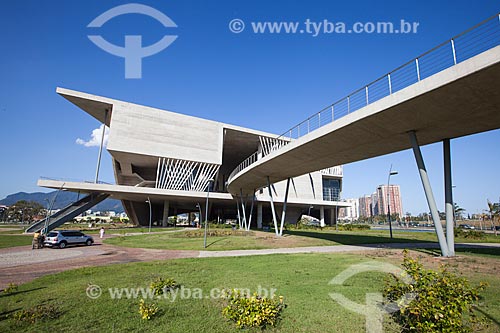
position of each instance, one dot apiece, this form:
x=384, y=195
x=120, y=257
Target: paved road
x=22, y=264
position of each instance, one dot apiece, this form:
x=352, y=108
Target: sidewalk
x=22, y=264
x=338, y=248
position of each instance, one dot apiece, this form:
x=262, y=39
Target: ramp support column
x=238, y=210
x=243, y=208
x=428, y=193
x=448, y=196
x=283, y=214
x=272, y=207
x=251, y=211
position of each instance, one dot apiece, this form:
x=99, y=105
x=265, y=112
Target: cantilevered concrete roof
x=96, y=106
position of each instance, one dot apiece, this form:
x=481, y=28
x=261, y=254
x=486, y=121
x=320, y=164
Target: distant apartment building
x=365, y=206
x=350, y=212
x=375, y=207
x=389, y=197
x=376, y=203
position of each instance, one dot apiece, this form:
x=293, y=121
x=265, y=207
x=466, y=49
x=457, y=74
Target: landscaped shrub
x=351, y=227
x=469, y=234
x=11, y=288
x=212, y=233
x=161, y=286
x=147, y=310
x=37, y=313
x=302, y=224
x=443, y=302
x=214, y=225
x=252, y=311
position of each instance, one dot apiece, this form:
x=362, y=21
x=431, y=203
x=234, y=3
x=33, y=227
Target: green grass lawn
x=14, y=240
x=122, y=231
x=296, y=238
x=302, y=279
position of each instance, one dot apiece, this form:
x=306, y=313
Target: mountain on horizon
x=63, y=199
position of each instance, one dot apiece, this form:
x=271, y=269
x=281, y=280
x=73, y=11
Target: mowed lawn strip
x=303, y=279
x=268, y=240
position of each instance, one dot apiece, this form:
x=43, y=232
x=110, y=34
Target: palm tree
x=494, y=213
x=458, y=211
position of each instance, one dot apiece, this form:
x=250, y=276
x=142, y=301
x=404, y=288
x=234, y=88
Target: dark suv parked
x=63, y=238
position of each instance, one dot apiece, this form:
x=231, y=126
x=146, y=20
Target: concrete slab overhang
x=140, y=194
x=94, y=105
x=459, y=101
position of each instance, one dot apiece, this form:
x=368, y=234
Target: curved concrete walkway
x=22, y=264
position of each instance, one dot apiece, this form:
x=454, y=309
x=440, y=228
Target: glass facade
x=331, y=189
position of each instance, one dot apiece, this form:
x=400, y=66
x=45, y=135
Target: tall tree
x=459, y=211
x=24, y=211
x=494, y=213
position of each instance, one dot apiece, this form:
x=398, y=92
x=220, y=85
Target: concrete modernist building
x=170, y=160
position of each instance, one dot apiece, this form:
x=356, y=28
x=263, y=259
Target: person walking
x=101, y=232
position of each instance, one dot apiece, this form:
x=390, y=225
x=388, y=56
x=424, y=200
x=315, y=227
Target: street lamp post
x=391, y=173
x=206, y=214
x=454, y=209
x=149, y=202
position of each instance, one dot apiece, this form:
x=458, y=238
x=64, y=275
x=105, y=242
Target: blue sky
x=268, y=81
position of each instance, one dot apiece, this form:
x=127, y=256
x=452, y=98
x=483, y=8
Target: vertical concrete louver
x=184, y=175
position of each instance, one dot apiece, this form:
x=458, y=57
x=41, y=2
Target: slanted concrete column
x=429, y=194
x=322, y=216
x=166, y=206
x=449, y=206
x=259, y=216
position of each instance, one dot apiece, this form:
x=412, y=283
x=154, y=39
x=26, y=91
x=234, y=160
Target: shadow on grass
x=5, y=315
x=350, y=239
x=19, y=292
x=480, y=249
x=464, y=249
x=219, y=240
x=487, y=315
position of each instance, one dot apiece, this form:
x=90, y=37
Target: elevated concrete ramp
x=458, y=101
x=68, y=212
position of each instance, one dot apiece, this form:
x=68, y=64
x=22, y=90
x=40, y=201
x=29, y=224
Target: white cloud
x=95, y=138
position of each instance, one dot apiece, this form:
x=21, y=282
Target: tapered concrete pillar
x=448, y=191
x=272, y=207
x=259, y=216
x=322, y=216
x=166, y=206
x=429, y=194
